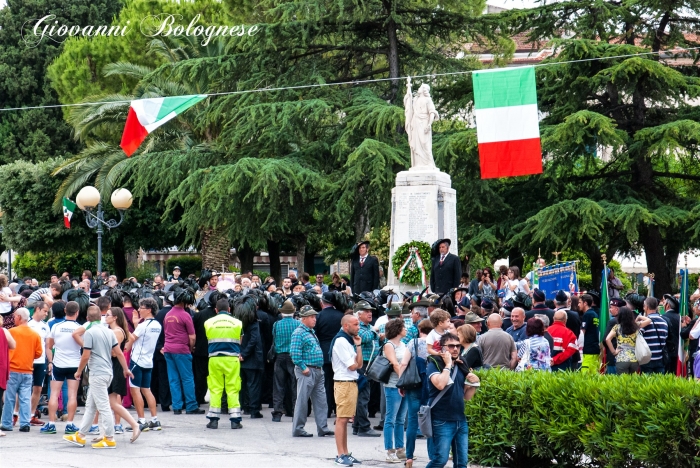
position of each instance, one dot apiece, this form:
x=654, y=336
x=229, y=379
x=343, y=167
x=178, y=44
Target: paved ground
x=186, y=442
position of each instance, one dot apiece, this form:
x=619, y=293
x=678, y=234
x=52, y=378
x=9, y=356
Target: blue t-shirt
x=451, y=405
x=591, y=337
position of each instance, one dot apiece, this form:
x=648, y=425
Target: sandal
x=135, y=435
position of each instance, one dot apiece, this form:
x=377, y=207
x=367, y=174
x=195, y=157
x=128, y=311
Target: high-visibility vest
x=224, y=335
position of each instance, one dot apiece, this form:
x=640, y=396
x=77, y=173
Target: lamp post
x=88, y=199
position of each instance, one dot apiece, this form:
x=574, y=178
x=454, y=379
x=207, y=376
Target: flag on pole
x=68, y=210
x=145, y=115
x=604, y=313
x=507, y=122
x=681, y=370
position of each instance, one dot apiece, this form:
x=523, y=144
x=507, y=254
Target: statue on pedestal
x=420, y=113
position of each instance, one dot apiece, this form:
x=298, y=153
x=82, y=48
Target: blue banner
x=552, y=278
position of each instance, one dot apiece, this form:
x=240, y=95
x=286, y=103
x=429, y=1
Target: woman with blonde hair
x=116, y=321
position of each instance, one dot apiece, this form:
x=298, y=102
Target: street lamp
x=88, y=199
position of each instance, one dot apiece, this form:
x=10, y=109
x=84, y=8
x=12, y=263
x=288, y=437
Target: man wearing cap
x=370, y=349
x=610, y=363
x=364, y=270
x=415, y=314
x=497, y=346
x=284, y=382
x=487, y=307
x=307, y=357
x=327, y=326
x=564, y=342
x=673, y=319
x=176, y=275
x=475, y=321
x=446, y=270
x=224, y=346
x=538, y=306
x=505, y=312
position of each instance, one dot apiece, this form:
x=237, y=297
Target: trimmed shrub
x=533, y=419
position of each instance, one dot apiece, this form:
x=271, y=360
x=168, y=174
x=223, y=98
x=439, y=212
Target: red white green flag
x=507, y=122
x=68, y=210
x=145, y=115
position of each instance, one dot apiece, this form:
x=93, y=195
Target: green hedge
x=531, y=419
x=189, y=264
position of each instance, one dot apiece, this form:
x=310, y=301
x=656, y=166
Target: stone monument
x=423, y=202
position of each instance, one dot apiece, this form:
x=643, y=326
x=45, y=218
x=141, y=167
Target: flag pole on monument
x=604, y=313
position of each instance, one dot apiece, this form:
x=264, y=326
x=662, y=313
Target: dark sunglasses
x=451, y=346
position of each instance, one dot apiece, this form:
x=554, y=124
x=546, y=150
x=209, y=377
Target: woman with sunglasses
x=116, y=321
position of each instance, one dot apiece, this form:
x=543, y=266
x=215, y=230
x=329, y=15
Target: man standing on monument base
x=446, y=270
x=364, y=271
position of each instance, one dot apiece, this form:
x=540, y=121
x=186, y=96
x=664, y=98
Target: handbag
x=380, y=369
x=641, y=350
x=524, y=363
x=272, y=352
x=411, y=377
x=425, y=420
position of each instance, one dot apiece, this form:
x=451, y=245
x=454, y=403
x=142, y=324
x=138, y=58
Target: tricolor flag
x=145, y=115
x=507, y=122
x=681, y=370
x=68, y=210
x=604, y=315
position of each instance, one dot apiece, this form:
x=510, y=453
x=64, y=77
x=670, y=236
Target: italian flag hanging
x=604, y=314
x=68, y=210
x=145, y=115
x=681, y=369
x=507, y=122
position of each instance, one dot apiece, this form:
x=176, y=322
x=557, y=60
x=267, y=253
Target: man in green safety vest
x=224, y=338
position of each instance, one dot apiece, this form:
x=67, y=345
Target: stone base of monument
x=423, y=208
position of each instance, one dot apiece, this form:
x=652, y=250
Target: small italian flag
x=145, y=115
x=507, y=122
x=68, y=210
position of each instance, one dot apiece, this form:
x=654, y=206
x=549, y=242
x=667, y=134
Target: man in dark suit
x=364, y=271
x=673, y=319
x=447, y=269
x=327, y=327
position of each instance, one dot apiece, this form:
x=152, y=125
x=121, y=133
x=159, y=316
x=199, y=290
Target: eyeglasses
x=109, y=315
x=451, y=346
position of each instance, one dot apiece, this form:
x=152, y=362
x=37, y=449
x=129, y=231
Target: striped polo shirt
x=656, y=337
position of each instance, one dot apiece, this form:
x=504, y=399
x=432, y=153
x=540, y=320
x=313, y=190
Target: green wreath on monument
x=412, y=273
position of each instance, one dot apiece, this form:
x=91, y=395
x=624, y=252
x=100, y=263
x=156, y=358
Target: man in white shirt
x=143, y=345
x=346, y=358
x=41, y=310
x=63, y=353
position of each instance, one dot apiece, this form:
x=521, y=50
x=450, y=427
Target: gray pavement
x=186, y=442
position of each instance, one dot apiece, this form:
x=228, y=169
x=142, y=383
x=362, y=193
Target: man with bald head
x=563, y=341
x=497, y=346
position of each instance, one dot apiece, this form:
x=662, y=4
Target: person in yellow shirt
x=28, y=347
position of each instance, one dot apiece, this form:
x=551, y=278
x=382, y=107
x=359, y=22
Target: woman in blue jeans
x=394, y=350
x=415, y=397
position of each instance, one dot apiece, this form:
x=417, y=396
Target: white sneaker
x=391, y=457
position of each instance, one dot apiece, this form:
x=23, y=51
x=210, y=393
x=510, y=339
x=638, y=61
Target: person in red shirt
x=564, y=342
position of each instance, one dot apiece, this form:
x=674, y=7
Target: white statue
x=420, y=114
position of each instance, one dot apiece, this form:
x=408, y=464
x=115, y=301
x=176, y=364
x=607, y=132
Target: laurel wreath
x=413, y=274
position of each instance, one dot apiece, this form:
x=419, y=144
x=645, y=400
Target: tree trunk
x=657, y=261
x=301, y=253
x=216, y=249
x=310, y=263
x=515, y=258
x=119, y=254
x=596, y=259
x=246, y=254
x=273, y=249
x=393, y=57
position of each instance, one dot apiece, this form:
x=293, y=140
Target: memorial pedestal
x=423, y=208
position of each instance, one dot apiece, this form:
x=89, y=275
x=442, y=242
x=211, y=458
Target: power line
x=355, y=82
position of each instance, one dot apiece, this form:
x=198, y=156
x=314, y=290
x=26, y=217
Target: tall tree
x=37, y=134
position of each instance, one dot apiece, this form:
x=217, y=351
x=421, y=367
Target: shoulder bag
x=380, y=369
x=411, y=377
x=425, y=420
x=641, y=349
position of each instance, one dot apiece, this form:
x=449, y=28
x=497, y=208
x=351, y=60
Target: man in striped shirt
x=655, y=335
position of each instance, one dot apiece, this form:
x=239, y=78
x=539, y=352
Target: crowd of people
x=346, y=349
